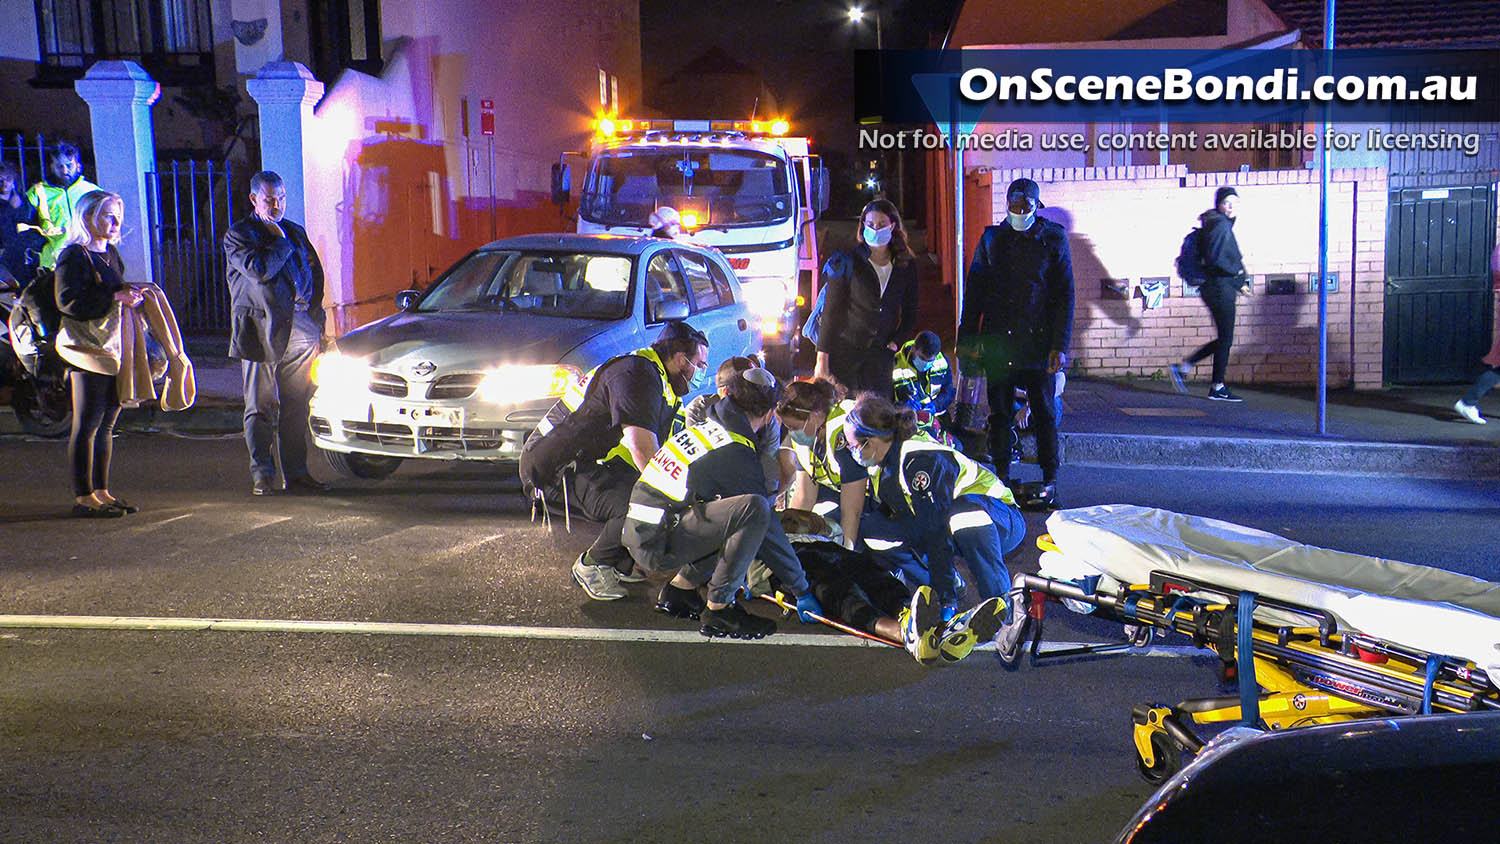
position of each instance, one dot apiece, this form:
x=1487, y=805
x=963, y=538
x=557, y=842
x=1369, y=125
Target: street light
x=857, y=14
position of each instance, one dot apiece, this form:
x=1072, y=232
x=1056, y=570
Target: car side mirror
x=562, y=183
x=671, y=310
x=407, y=299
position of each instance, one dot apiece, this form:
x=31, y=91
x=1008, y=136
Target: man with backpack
x=1221, y=275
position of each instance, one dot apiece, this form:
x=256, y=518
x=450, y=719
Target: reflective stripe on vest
x=667, y=473
x=973, y=479
x=572, y=399
x=825, y=469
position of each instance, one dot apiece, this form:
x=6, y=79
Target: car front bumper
x=467, y=429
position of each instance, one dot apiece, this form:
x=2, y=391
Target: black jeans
x=96, y=408
x=1040, y=386
x=1219, y=295
x=601, y=493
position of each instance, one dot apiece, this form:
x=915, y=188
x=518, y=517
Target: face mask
x=921, y=365
x=1021, y=222
x=877, y=237
x=700, y=374
x=804, y=439
x=859, y=457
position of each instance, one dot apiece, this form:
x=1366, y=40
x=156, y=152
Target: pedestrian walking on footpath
x=1224, y=280
x=1468, y=405
x=276, y=331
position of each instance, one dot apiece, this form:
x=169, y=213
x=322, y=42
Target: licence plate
x=418, y=415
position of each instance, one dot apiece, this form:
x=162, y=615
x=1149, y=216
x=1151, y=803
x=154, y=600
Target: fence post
x=120, y=95
x=286, y=93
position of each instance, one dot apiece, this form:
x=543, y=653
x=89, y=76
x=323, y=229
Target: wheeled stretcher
x=1309, y=635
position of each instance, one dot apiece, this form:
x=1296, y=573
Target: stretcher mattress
x=1416, y=606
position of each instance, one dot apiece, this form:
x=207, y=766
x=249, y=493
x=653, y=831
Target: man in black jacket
x=1224, y=280
x=276, y=330
x=1017, y=323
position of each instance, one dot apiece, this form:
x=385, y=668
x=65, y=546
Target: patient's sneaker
x=969, y=629
x=920, y=623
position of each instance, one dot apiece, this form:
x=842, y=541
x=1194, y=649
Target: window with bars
x=171, y=39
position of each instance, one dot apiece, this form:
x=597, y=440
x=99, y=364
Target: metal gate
x=191, y=206
x=1437, y=291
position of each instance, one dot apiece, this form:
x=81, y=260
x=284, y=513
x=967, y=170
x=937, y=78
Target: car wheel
x=1168, y=759
x=371, y=467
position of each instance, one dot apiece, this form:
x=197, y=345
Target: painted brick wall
x=1127, y=223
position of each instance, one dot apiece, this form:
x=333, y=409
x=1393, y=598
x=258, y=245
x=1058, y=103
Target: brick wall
x=1127, y=223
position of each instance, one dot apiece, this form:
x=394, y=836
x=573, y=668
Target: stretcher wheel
x=1168, y=759
x=1011, y=641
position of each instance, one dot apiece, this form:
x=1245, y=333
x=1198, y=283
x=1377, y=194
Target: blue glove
x=808, y=604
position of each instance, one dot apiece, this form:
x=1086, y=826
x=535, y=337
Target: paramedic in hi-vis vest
x=924, y=383
x=930, y=502
x=700, y=509
x=608, y=427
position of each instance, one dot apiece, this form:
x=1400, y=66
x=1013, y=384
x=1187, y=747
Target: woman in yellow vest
x=930, y=502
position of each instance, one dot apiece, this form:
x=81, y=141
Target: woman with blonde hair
x=103, y=343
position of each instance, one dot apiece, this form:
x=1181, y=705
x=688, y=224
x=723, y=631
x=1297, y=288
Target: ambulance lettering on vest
x=668, y=465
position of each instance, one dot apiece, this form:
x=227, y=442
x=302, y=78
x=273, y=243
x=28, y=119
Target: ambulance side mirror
x=562, y=183
x=820, y=189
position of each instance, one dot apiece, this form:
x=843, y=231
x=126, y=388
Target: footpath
x=1408, y=431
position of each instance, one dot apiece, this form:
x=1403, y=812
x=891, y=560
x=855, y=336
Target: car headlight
x=512, y=384
x=767, y=297
x=335, y=371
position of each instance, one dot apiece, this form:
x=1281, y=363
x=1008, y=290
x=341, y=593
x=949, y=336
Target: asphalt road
x=630, y=728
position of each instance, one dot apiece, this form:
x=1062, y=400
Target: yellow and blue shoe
x=969, y=629
x=921, y=622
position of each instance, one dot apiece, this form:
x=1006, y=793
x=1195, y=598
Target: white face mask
x=859, y=458
x=877, y=237
x=1021, y=222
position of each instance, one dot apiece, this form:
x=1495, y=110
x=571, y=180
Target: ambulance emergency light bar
x=609, y=127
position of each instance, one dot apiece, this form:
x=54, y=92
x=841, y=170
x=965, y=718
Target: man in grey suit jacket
x=276, y=330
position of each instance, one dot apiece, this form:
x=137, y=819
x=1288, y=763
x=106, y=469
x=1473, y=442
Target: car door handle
x=743, y=326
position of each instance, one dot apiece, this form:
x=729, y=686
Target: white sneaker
x=602, y=583
x=1469, y=412
x=634, y=576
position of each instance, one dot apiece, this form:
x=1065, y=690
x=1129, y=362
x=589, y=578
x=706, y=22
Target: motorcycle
x=43, y=401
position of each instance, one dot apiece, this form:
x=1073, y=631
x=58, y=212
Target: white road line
x=493, y=631
x=155, y=525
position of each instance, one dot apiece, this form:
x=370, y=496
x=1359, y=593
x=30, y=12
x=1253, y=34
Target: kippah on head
x=759, y=377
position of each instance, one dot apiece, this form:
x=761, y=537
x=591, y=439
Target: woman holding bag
x=91, y=292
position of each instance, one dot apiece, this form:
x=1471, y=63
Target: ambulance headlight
x=335, y=372
x=767, y=297
x=513, y=384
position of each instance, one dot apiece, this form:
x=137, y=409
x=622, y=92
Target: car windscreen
x=723, y=187
x=583, y=285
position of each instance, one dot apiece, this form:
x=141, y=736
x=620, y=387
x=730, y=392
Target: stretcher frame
x=1289, y=674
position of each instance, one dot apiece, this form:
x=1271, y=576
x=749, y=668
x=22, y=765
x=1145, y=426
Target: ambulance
x=745, y=187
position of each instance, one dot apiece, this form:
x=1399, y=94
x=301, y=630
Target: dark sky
x=804, y=49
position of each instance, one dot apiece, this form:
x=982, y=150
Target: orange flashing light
x=689, y=219
x=606, y=127
x=780, y=127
